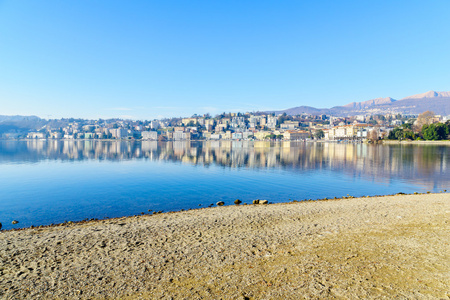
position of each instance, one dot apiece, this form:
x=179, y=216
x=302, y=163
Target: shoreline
x=406, y=142
x=376, y=247
x=94, y=220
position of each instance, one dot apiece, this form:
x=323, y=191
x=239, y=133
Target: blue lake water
x=44, y=182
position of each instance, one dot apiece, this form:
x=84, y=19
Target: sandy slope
x=385, y=247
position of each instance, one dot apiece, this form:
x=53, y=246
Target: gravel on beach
x=377, y=247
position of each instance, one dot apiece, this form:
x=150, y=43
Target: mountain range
x=20, y=123
x=438, y=102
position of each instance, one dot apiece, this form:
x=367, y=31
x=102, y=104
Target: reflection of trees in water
x=378, y=162
x=428, y=163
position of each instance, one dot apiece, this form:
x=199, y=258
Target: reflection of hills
x=420, y=163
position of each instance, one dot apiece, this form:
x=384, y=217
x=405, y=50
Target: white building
x=272, y=122
x=149, y=135
x=119, y=133
x=36, y=135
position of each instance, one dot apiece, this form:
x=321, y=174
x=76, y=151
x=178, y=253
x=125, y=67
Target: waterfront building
x=36, y=135
x=149, y=135
x=294, y=135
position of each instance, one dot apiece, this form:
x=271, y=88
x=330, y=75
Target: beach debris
x=14, y=222
x=237, y=201
x=263, y=201
x=220, y=203
x=256, y=201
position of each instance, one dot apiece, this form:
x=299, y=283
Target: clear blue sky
x=152, y=59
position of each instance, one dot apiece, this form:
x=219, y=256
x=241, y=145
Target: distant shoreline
x=443, y=142
x=395, y=142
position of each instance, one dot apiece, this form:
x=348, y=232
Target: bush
x=435, y=132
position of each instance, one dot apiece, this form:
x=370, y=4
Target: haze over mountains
x=438, y=102
x=20, y=123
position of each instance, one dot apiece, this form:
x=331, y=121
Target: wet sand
x=378, y=247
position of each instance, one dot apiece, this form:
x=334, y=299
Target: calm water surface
x=44, y=182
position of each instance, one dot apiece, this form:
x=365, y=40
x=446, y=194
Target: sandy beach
x=377, y=247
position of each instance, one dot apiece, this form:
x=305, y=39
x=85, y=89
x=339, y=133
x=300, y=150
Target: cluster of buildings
x=231, y=126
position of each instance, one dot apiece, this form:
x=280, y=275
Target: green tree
x=435, y=131
x=319, y=134
x=407, y=126
x=399, y=133
x=409, y=134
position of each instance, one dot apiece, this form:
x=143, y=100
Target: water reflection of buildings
x=426, y=163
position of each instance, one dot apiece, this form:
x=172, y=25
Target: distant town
x=235, y=126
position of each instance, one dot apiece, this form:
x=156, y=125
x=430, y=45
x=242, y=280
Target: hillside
x=438, y=102
x=20, y=123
